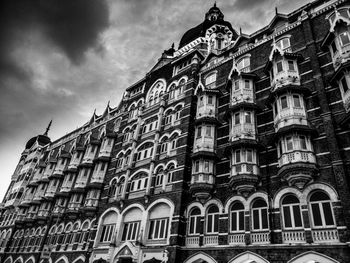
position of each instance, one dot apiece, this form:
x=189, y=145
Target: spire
x=48, y=128
x=276, y=10
x=215, y=4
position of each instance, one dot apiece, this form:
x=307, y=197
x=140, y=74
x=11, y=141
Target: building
x=232, y=148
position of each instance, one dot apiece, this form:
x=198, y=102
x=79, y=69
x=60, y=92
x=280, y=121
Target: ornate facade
x=233, y=148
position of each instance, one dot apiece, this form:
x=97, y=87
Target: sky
x=62, y=59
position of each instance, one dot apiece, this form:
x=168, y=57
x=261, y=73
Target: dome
x=42, y=140
x=213, y=17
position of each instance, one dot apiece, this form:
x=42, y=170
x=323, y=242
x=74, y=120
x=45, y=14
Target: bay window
x=321, y=210
x=291, y=212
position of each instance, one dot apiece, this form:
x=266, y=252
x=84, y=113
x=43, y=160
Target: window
x=168, y=118
x=208, y=131
x=246, y=84
x=296, y=101
x=283, y=43
x=112, y=188
x=210, y=79
x=344, y=84
x=236, y=85
x=172, y=92
x=237, y=217
x=201, y=101
x=236, y=116
x=119, y=161
x=139, y=183
x=284, y=102
x=321, y=210
x=130, y=231
x=291, y=212
x=107, y=232
x=249, y=156
x=212, y=220
x=196, y=166
x=238, y=156
x=259, y=211
x=164, y=147
x=303, y=142
x=344, y=38
x=248, y=118
x=158, y=229
x=291, y=65
x=279, y=65
x=159, y=178
x=194, y=222
x=199, y=131
x=334, y=48
x=210, y=100
x=145, y=151
x=289, y=141
x=206, y=166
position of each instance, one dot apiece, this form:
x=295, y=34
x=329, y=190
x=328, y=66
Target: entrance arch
x=248, y=257
x=312, y=257
x=200, y=258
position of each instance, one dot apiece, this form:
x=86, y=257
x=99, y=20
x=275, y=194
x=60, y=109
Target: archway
x=312, y=257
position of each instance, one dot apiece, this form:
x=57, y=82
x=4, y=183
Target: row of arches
x=62, y=259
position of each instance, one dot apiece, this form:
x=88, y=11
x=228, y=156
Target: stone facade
x=232, y=148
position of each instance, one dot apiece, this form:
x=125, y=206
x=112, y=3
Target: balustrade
x=192, y=241
x=260, y=238
x=212, y=240
x=236, y=239
x=325, y=235
x=293, y=236
x=296, y=156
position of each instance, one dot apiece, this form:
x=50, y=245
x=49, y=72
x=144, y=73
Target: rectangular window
x=103, y=165
x=291, y=65
x=158, y=229
x=296, y=101
x=195, y=224
x=284, y=102
x=279, y=65
x=334, y=47
x=236, y=85
x=210, y=100
x=206, y=166
x=248, y=118
x=289, y=143
x=249, y=156
x=196, y=166
x=344, y=38
x=199, y=131
x=208, y=131
x=130, y=231
x=344, y=85
x=237, y=121
x=201, y=102
x=246, y=84
x=303, y=142
x=275, y=107
x=238, y=156
x=107, y=232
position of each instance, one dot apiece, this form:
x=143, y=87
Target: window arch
x=112, y=187
x=259, y=218
x=237, y=217
x=120, y=186
x=139, y=182
x=155, y=92
x=159, y=177
x=107, y=227
x=144, y=151
x=131, y=227
x=291, y=212
x=158, y=227
x=194, y=222
x=212, y=219
x=321, y=210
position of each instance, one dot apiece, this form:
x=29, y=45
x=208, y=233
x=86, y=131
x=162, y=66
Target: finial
x=215, y=4
x=276, y=10
x=240, y=30
x=48, y=128
x=173, y=45
x=108, y=103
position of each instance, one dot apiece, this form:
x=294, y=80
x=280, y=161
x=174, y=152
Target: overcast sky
x=61, y=59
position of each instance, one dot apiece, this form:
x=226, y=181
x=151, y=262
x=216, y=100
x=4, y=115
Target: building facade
x=233, y=148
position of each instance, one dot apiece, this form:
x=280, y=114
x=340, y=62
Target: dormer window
x=244, y=64
x=210, y=79
x=344, y=37
x=283, y=43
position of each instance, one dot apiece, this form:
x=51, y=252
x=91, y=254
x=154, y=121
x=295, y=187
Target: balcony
x=297, y=157
x=341, y=56
x=201, y=185
x=51, y=191
x=36, y=178
x=66, y=187
x=236, y=239
x=97, y=178
x=47, y=173
x=89, y=157
x=91, y=204
x=325, y=236
x=285, y=77
x=73, y=207
x=74, y=162
x=290, y=116
x=81, y=182
x=38, y=196
x=105, y=151
x=205, y=144
x=27, y=199
x=242, y=95
x=260, y=237
x=42, y=214
x=12, y=202
x=192, y=241
x=58, y=172
x=212, y=240
x=293, y=236
x=244, y=183
x=243, y=131
x=208, y=111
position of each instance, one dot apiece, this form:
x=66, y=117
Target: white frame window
x=130, y=231
x=107, y=233
x=212, y=220
x=283, y=43
x=291, y=212
x=260, y=220
x=210, y=79
x=321, y=210
x=139, y=183
x=237, y=217
x=243, y=63
x=158, y=229
x=194, y=222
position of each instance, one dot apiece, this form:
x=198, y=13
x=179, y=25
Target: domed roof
x=42, y=140
x=213, y=17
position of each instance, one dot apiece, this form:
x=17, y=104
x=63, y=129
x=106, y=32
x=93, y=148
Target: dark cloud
x=72, y=26
x=243, y=5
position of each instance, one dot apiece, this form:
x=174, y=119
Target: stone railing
x=260, y=237
x=250, y=168
x=243, y=130
x=237, y=238
x=192, y=241
x=211, y=240
x=296, y=156
x=285, y=77
x=242, y=94
x=325, y=235
x=293, y=236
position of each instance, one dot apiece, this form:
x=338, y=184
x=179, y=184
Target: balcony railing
x=241, y=168
x=290, y=116
x=192, y=241
x=242, y=95
x=293, y=236
x=212, y=240
x=81, y=182
x=207, y=178
x=91, y=202
x=341, y=56
x=325, y=235
x=206, y=111
x=204, y=144
x=105, y=151
x=59, y=169
x=260, y=237
x=236, y=239
x=74, y=162
x=43, y=213
x=89, y=156
x=50, y=192
x=74, y=206
x=243, y=131
x=285, y=77
x=296, y=156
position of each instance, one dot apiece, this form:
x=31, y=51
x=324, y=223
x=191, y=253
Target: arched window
x=155, y=92
x=181, y=87
x=119, y=162
x=159, y=222
x=145, y=151
x=164, y=145
x=159, y=177
x=168, y=117
x=177, y=114
x=76, y=233
x=170, y=170
x=85, y=232
x=291, y=212
x=212, y=220
x=107, y=227
x=132, y=220
x=259, y=211
x=113, y=187
x=237, y=217
x=139, y=182
x=120, y=187
x=321, y=210
x=127, y=159
x=172, y=92
x=194, y=222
